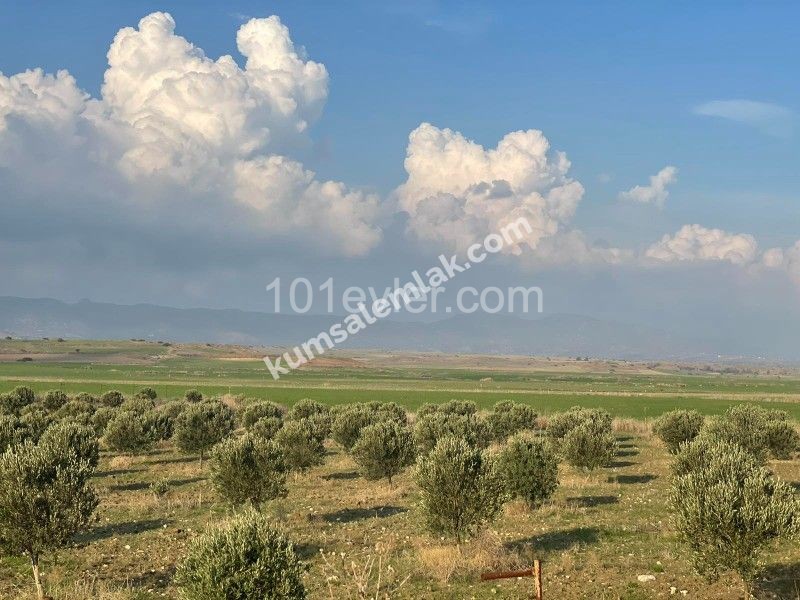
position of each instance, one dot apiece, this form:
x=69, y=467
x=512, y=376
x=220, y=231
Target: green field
x=128, y=366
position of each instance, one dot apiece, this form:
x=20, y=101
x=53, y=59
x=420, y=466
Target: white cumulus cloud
x=655, y=193
x=457, y=191
x=176, y=133
x=696, y=243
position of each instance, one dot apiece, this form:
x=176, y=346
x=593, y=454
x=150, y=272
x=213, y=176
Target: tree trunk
x=37, y=578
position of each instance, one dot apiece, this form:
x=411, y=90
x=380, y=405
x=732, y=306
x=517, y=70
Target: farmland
x=597, y=535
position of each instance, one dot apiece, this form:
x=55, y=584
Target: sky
x=186, y=153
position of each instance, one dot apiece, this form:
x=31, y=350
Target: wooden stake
x=537, y=578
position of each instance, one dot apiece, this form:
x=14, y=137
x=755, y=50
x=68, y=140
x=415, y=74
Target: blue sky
x=617, y=86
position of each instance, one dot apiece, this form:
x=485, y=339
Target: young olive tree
x=728, y=508
x=588, y=447
x=678, y=426
x=431, y=428
x=302, y=448
x=509, y=418
x=383, y=450
x=70, y=437
x=560, y=424
x=128, y=432
x=245, y=559
x=461, y=488
x=248, y=470
x=259, y=410
x=202, y=425
x=112, y=399
x=45, y=499
x=529, y=467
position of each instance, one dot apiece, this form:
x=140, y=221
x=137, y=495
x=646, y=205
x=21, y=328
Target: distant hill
x=554, y=335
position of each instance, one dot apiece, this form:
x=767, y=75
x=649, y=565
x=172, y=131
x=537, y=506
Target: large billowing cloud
x=655, y=193
x=697, y=243
x=176, y=133
x=457, y=191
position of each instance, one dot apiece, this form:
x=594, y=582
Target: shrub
x=193, y=396
x=435, y=426
x=128, y=432
x=246, y=559
x=461, y=489
x=174, y=408
x=148, y=393
x=509, y=418
x=258, y=410
x=678, y=426
x=112, y=398
x=17, y=399
x=783, y=440
x=101, y=418
x=54, y=399
x=12, y=432
x=137, y=405
x=728, y=508
x=266, y=427
x=201, y=426
x=306, y=408
x=38, y=480
x=159, y=425
x=383, y=450
x=160, y=488
x=36, y=421
x=248, y=469
x=69, y=437
x=78, y=409
x=301, y=446
x=529, y=467
x=451, y=407
x=588, y=447
x=560, y=424
x=85, y=397
x=751, y=427
x=348, y=423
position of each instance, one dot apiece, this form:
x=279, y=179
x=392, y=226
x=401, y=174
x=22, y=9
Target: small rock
x=646, y=578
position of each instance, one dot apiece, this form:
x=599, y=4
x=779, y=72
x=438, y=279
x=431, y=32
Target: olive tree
x=757, y=430
x=244, y=559
x=12, y=432
x=508, y=418
x=45, y=499
x=193, y=396
x=112, y=398
x=54, y=399
x=302, y=448
x=560, y=424
x=259, y=410
x=461, y=489
x=128, y=432
x=201, y=425
x=529, y=467
x=249, y=469
x=67, y=436
x=383, y=450
x=678, y=426
x=17, y=399
x=588, y=446
x=728, y=508
x=431, y=428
